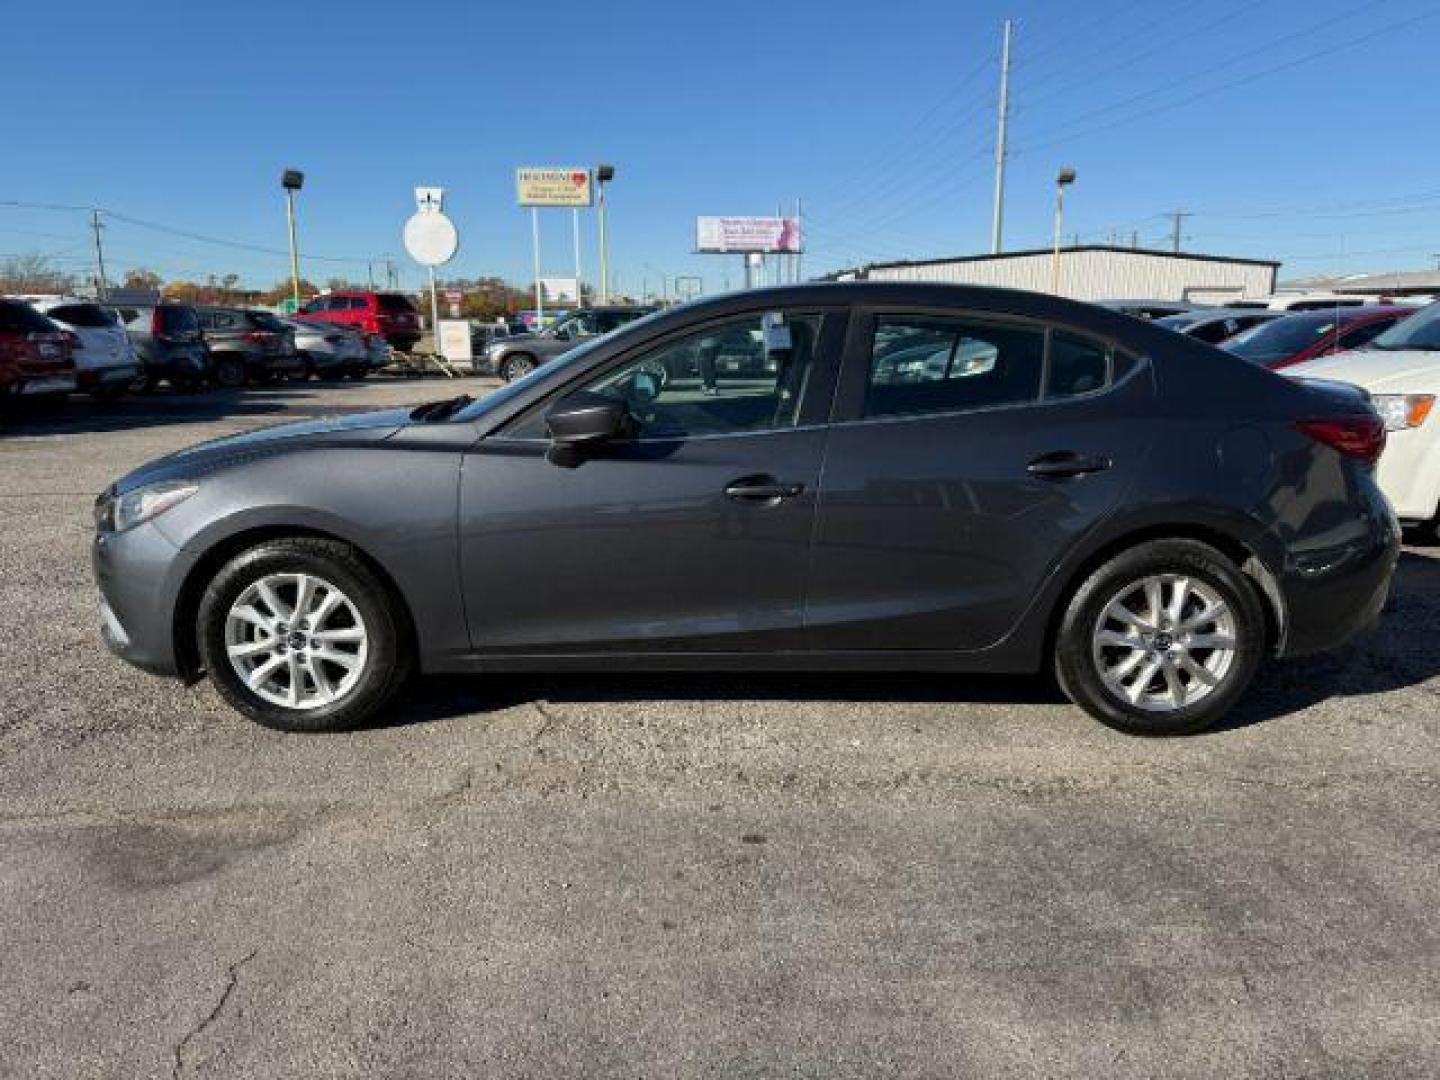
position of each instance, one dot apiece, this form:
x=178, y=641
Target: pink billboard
x=744, y=235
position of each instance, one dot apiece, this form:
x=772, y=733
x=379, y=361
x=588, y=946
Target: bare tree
x=33, y=273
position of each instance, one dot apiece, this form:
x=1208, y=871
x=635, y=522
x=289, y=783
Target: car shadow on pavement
x=444, y=697
x=1397, y=653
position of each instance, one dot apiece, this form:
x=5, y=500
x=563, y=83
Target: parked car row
x=1390, y=351
x=59, y=345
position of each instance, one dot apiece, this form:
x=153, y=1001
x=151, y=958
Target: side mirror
x=588, y=419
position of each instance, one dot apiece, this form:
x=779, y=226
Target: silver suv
x=513, y=357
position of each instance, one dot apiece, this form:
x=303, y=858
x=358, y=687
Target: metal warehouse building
x=1094, y=273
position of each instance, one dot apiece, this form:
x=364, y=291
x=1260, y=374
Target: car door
x=968, y=453
x=693, y=536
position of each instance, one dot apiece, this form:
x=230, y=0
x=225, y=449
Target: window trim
x=850, y=390
x=817, y=396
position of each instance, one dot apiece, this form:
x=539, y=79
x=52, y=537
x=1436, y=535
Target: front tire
x=300, y=635
x=1161, y=640
x=517, y=366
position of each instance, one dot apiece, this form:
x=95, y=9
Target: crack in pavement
x=232, y=978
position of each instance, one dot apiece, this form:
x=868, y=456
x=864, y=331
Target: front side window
x=920, y=364
x=739, y=376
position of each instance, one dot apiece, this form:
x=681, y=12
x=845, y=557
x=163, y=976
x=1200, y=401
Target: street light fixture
x=292, y=180
x=1064, y=179
x=603, y=175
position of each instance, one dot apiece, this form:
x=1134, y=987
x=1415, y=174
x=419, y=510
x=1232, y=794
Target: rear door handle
x=762, y=489
x=1066, y=463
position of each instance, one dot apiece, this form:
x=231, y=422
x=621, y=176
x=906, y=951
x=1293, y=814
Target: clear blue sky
x=1302, y=131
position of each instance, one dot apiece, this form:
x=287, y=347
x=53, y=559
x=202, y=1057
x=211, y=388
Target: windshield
x=1280, y=339
x=1418, y=331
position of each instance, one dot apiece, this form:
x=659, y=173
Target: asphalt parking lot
x=687, y=876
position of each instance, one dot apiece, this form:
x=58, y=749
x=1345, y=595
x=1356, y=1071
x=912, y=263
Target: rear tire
x=377, y=649
x=230, y=371
x=1172, y=667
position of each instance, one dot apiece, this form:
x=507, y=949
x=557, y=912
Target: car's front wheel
x=1162, y=639
x=517, y=366
x=300, y=635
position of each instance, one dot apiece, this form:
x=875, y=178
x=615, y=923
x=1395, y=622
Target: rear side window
x=18, y=318
x=88, y=316
x=920, y=364
x=1365, y=333
x=1076, y=366
x=396, y=304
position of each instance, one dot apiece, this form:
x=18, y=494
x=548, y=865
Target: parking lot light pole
x=292, y=180
x=603, y=175
x=1065, y=178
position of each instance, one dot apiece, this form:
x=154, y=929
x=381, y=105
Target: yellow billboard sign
x=552, y=186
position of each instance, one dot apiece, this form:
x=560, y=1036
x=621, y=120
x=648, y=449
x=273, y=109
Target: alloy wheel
x=296, y=640
x=1164, y=642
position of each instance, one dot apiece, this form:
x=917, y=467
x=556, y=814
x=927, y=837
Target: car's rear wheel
x=299, y=635
x=517, y=366
x=230, y=371
x=1161, y=640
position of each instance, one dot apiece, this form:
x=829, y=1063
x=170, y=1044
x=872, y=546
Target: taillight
x=1360, y=437
x=260, y=337
x=157, y=323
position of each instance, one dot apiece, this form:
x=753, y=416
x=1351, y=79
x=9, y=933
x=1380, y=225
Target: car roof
x=978, y=299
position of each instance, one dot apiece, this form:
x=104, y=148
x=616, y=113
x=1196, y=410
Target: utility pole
x=101, y=285
x=997, y=223
x=1178, y=216
x=800, y=228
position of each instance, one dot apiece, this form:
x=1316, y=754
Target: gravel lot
x=718, y=876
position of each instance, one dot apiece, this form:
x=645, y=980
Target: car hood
x=1377, y=370
x=305, y=434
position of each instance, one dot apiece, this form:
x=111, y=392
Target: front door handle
x=1066, y=463
x=762, y=489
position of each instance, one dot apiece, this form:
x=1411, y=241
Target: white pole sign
x=432, y=241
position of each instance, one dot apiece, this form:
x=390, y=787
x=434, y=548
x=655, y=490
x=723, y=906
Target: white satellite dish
x=430, y=238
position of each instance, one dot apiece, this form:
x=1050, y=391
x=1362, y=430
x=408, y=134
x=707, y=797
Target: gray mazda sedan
x=897, y=477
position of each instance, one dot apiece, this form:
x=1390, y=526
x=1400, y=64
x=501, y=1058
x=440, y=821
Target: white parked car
x=106, y=364
x=329, y=349
x=1312, y=301
x=1401, y=370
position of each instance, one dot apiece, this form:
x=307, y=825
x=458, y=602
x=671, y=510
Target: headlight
x=1402, y=411
x=117, y=513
